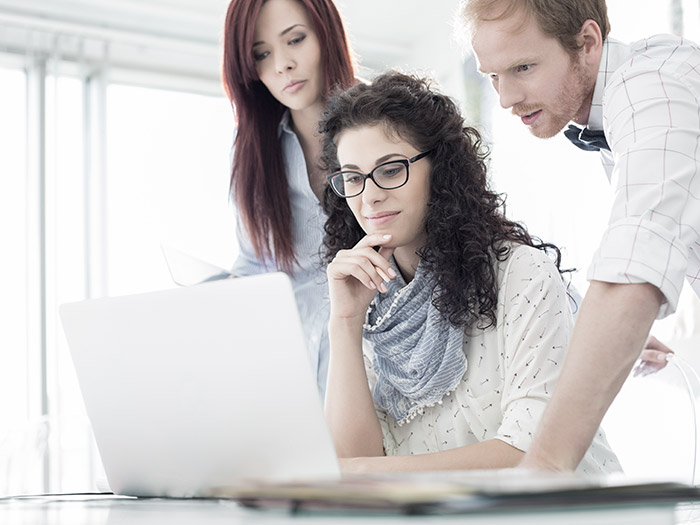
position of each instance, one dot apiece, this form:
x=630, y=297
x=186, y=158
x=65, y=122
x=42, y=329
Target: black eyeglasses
x=388, y=176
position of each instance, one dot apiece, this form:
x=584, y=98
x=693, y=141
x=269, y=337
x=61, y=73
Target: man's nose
x=509, y=93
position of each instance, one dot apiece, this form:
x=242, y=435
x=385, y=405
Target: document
x=187, y=270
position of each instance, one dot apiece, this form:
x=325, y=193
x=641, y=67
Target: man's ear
x=590, y=38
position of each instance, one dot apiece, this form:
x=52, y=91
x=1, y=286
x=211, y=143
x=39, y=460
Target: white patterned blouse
x=512, y=369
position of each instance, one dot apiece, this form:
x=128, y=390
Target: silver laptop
x=193, y=389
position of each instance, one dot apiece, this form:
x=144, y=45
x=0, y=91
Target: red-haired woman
x=281, y=59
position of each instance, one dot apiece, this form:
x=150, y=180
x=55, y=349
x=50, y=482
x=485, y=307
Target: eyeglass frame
x=370, y=175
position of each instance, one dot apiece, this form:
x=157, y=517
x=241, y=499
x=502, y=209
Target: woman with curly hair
x=454, y=316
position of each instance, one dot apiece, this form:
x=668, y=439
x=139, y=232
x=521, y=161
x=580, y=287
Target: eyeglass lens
x=388, y=176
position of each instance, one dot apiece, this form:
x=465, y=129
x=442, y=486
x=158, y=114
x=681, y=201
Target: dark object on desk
x=462, y=492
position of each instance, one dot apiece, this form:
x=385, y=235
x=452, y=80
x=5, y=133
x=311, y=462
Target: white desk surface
x=104, y=511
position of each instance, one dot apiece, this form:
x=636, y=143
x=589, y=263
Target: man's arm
x=608, y=337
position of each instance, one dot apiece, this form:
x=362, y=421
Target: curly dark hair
x=466, y=229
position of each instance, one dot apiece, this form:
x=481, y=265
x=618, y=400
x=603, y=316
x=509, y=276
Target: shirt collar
x=613, y=56
x=285, y=125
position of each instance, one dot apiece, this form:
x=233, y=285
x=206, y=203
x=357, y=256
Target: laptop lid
x=199, y=387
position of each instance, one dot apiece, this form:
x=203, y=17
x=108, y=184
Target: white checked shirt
x=647, y=100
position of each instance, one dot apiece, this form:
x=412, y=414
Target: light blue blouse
x=309, y=277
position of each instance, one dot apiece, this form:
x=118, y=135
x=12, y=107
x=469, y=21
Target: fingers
x=364, y=263
x=374, y=239
x=382, y=264
x=651, y=361
x=644, y=368
x=386, y=253
x=654, y=344
x=653, y=358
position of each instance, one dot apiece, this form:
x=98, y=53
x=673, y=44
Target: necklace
x=387, y=315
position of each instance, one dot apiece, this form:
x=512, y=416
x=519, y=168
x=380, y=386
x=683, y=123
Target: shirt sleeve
x=535, y=328
x=652, y=121
x=247, y=262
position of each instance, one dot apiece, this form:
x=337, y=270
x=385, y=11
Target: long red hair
x=258, y=178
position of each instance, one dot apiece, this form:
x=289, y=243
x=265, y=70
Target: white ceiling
x=383, y=33
x=387, y=33
x=199, y=21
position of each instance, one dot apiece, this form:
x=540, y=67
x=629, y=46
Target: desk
x=124, y=511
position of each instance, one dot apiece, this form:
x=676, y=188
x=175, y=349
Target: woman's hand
x=355, y=276
x=654, y=357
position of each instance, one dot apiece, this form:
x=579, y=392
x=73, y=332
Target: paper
x=187, y=270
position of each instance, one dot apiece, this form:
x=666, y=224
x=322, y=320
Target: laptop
x=196, y=388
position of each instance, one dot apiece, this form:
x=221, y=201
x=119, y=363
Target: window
x=167, y=182
x=99, y=177
x=115, y=140
x=15, y=371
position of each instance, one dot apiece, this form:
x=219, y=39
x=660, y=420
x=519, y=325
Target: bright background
x=115, y=138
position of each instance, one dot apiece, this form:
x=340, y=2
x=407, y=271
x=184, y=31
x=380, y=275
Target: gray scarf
x=418, y=355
